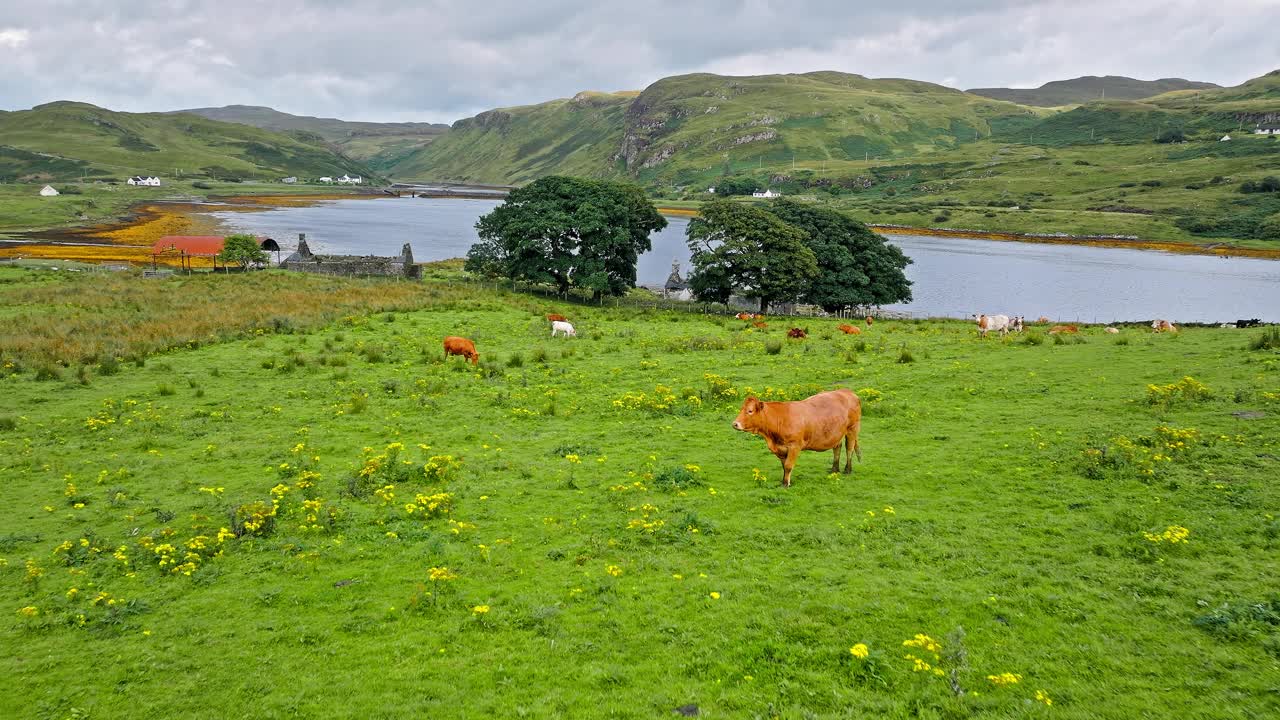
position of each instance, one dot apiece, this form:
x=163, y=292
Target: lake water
x=953, y=276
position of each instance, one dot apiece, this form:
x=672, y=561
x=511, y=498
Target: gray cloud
x=385, y=60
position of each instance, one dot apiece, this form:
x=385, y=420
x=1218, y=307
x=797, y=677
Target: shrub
x=1268, y=340
x=516, y=360
x=1188, y=389
x=1033, y=338
x=905, y=355
x=773, y=347
x=1151, y=183
x=7, y=423
x=679, y=477
x=48, y=371
x=538, y=355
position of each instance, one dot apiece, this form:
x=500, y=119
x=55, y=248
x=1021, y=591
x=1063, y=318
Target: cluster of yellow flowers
x=636, y=486
x=613, y=570
x=925, y=644
x=441, y=574
x=429, y=506
x=440, y=468
x=1003, y=679
x=457, y=527
x=646, y=523
x=1041, y=696
x=662, y=401
x=1173, y=535
x=188, y=558
x=859, y=651
x=1188, y=389
x=719, y=388
x=386, y=494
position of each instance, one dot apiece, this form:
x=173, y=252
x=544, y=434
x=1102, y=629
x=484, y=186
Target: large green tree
x=739, y=246
x=856, y=266
x=568, y=232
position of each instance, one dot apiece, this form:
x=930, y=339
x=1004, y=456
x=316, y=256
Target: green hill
x=371, y=142
x=70, y=140
x=1259, y=96
x=576, y=136
x=689, y=128
x=1089, y=88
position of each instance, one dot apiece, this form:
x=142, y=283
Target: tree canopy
x=738, y=245
x=855, y=265
x=567, y=232
x=242, y=250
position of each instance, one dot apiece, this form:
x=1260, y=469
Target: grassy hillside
x=575, y=136
x=688, y=129
x=1089, y=88
x=332, y=520
x=377, y=144
x=66, y=140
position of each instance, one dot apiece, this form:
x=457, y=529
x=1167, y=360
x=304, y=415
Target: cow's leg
x=852, y=447
x=835, y=461
x=788, y=463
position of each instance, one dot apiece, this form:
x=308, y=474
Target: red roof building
x=194, y=245
x=185, y=247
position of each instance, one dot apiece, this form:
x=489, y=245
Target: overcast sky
x=440, y=61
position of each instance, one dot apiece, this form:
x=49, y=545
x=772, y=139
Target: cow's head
x=475, y=358
x=749, y=417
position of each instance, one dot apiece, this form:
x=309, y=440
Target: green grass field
x=573, y=529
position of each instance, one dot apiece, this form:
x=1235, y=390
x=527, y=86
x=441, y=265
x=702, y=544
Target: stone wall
x=399, y=266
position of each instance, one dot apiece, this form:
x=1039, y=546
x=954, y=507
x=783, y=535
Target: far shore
x=130, y=238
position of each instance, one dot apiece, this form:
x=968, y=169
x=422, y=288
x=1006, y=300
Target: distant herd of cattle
x=829, y=419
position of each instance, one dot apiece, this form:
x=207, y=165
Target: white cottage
x=148, y=180
x=345, y=180
x=1267, y=129
x=289, y=180
x=766, y=194
x=48, y=191
x=326, y=179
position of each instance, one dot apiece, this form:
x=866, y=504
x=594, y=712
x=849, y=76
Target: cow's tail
x=857, y=446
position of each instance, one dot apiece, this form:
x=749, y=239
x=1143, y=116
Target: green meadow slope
x=285, y=502
x=69, y=140
x=376, y=144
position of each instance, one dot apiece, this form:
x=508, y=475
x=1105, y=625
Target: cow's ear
x=754, y=404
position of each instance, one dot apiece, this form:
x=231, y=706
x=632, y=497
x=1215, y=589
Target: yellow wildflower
x=480, y=609
x=1004, y=679
x=859, y=651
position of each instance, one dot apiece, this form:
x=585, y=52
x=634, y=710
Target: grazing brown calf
x=819, y=423
x=744, y=316
x=454, y=345
x=1064, y=329
x=870, y=321
x=553, y=317
x=797, y=333
x=848, y=330
x=760, y=324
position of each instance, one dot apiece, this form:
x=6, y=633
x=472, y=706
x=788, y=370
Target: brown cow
x=745, y=316
x=1163, y=326
x=817, y=423
x=870, y=321
x=848, y=330
x=760, y=324
x=1064, y=329
x=797, y=333
x=454, y=345
x=553, y=317
x=1042, y=320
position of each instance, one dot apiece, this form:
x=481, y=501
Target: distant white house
x=149, y=180
x=345, y=180
x=1225, y=138
x=1267, y=129
x=289, y=180
x=711, y=190
x=766, y=194
x=326, y=179
x=48, y=191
